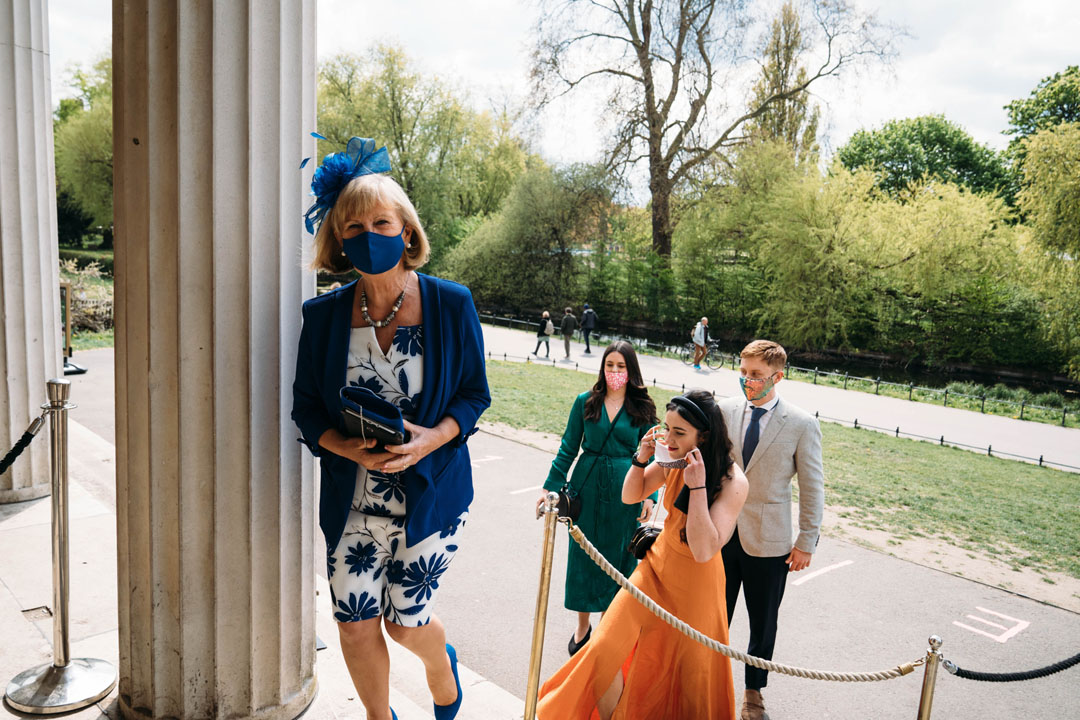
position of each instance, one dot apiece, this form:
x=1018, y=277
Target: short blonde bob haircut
x=771, y=353
x=356, y=199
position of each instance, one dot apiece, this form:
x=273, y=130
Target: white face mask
x=663, y=457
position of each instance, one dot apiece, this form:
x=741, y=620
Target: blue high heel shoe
x=449, y=712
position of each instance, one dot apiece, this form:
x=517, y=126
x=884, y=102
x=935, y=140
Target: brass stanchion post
x=65, y=684
x=551, y=520
x=933, y=659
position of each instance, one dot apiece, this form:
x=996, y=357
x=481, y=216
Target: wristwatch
x=636, y=463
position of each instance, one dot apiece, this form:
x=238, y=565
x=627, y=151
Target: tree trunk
x=106, y=238
x=661, y=219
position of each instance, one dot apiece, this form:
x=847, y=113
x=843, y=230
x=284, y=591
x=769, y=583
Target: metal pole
x=551, y=520
x=59, y=392
x=65, y=684
x=933, y=658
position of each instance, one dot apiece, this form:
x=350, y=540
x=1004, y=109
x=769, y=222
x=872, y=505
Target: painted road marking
x=528, y=489
x=822, y=571
x=1007, y=632
x=486, y=458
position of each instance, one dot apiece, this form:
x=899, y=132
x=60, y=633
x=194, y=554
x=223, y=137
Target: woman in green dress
x=606, y=424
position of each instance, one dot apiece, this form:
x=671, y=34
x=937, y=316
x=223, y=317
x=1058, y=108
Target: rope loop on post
x=1013, y=676
x=699, y=637
x=23, y=443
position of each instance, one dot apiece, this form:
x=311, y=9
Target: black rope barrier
x=1013, y=676
x=24, y=442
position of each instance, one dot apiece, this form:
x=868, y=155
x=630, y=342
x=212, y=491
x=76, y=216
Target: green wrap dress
x=605, y=520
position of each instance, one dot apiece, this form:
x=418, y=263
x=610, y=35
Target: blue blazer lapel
x=337, y=351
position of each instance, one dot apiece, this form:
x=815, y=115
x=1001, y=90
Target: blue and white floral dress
x=371, y=571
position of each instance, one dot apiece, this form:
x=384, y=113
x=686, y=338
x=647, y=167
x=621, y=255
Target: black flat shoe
x=573, y=647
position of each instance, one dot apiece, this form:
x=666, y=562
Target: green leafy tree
x=794, y=119
x=527, y=254
x=666, y=65
x=1055, y=100
x=453, y=162
x=83, y=147
x=1051, y=200
x=909, y=151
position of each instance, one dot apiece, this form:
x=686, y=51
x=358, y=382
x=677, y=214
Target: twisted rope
x=22, y=444
x=1013, y=676
x=650, y=604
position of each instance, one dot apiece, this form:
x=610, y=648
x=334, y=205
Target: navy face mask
x=373, y=254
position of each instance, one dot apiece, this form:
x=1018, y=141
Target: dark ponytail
x=696, y=407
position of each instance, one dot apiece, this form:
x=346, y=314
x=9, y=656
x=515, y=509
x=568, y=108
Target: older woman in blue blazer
x=390, y=518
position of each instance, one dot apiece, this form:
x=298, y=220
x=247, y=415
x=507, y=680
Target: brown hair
x=770, y=352
x=358, y=198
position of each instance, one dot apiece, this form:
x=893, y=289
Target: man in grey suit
x=772, y=441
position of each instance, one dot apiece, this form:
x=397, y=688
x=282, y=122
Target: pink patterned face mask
x=616, y=380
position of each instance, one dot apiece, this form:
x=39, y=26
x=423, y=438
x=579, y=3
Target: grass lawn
x=1021, y=514
x=88, y=340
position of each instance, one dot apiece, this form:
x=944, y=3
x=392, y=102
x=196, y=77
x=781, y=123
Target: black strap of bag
x=569, y=500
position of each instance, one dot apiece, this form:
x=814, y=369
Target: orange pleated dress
x=667, y=675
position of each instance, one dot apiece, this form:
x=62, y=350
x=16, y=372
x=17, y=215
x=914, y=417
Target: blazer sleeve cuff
x=807, y=542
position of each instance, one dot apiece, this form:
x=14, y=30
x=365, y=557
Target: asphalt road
x=860, y=610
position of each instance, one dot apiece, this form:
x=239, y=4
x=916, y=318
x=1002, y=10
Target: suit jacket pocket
x=776, y=522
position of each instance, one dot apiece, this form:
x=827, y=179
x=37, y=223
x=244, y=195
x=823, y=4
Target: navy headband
x=693, y=408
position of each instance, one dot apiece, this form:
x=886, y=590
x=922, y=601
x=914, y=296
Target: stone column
x=213, y=102
x=29, y=260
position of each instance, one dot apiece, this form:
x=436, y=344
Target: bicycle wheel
x=714, y=359
x=687, y=355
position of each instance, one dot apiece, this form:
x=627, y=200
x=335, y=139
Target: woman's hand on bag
x=357, y=450
x=646, y=508
x=423, y=442
x=694, y=474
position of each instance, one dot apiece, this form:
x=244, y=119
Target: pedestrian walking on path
x=588, y=324
x=391, y=529
x=606, y=424
x=543, y=334
x=773, y=441
x=567, y=328
x=700, y=336
x=637, y=667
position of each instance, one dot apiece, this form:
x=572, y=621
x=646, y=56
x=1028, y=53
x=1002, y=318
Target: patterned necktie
x=753, y=433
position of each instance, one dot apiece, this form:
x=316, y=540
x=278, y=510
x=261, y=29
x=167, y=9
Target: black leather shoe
x=573, y=647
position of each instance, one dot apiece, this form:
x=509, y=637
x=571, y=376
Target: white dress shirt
x=764, y=418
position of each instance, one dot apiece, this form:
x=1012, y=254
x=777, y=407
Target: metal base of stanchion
x=49, y=689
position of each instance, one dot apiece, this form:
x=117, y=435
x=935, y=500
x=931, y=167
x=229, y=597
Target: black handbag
x=569, y=500
x=646, y=535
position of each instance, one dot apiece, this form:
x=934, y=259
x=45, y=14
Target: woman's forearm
x=633, y=485
x=701, y=534
x=331, y=440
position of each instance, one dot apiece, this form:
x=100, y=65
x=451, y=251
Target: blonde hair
x=770, y=352
x=358, y=198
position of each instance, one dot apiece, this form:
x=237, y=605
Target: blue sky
x=964, y=59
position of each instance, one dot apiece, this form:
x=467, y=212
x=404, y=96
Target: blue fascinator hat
x=337, y=170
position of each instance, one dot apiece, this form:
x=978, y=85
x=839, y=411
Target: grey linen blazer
x=790, y=445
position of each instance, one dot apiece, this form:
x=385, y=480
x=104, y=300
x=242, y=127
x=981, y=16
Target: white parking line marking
x=822, y=571
x=1008, y=632
x=528, y=489
x=486, y=458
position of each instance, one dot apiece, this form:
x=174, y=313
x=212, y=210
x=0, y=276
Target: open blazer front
x=439, y=487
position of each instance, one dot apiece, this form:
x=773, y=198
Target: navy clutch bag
x=366, y=415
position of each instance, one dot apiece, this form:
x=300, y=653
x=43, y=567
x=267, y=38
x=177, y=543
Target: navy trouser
x=586, y=333
x=763, y=580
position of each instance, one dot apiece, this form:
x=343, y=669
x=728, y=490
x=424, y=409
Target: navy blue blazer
x=439, y=487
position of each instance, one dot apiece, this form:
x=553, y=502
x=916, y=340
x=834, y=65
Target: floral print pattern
x=385, y=577
x=372, y=572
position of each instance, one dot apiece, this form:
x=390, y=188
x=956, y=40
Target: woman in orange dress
x=637, y=667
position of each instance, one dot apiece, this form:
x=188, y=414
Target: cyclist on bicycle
x=700, y=336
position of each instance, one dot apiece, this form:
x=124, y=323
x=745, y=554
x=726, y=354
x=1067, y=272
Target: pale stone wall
x=29, y=259
x=212, y=104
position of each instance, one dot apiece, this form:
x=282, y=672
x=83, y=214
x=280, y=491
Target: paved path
x=861, y=610
x=1020, y=437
